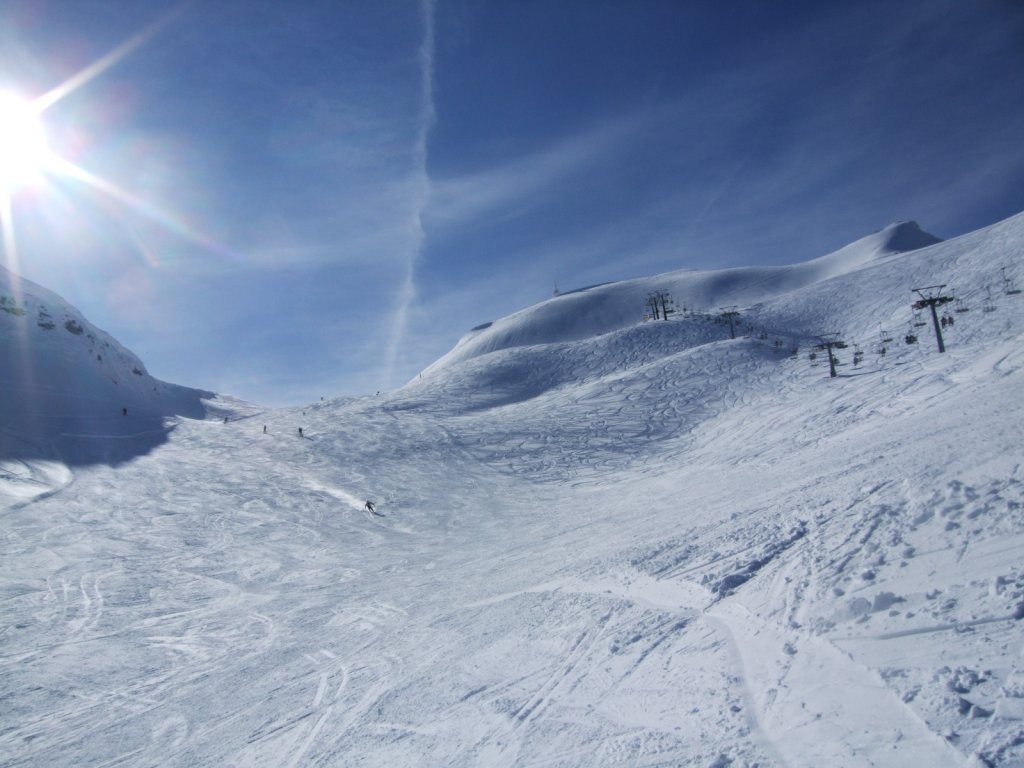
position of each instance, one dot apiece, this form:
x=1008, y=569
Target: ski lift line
x=929, y=297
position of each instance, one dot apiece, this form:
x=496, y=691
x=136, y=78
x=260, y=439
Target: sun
x=26, y=159
x=23, y=151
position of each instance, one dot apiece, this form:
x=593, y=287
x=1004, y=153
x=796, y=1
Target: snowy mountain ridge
x=71, y=382
x=596, y=541
x=612, y=306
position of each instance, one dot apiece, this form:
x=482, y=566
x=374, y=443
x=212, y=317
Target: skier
x=300, y=431
x=369, y=506
x=264, y=429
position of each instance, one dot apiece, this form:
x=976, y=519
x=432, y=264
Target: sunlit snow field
x=603, y=542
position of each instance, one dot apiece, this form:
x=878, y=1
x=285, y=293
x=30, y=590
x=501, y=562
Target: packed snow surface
x=601, y=542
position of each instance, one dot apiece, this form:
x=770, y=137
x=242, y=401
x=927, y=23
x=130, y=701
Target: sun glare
x=23, y=151
x=25, y=157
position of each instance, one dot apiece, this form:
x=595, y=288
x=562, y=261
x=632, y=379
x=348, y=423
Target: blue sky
x=284, y=201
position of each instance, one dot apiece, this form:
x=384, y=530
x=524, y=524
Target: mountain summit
x=906, y=236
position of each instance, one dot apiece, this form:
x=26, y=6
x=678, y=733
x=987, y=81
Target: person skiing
x=369, y=506
x=300, y=431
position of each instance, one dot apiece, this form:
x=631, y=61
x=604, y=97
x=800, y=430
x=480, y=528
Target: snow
x=70, y=390
x=605, y=541
x=584, y=313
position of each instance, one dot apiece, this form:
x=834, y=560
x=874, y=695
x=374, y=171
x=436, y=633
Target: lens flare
x=26, y=159
x=23, y=151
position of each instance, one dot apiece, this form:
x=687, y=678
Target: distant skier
x=264, y=429
x=124, y=411
x=369, y=506
x=300, y=432
x=225, y=419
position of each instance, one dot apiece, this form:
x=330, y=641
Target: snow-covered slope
x=655, y=545
x=68, y=390
x=601, y=309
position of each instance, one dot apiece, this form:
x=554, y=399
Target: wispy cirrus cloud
x=526, y=180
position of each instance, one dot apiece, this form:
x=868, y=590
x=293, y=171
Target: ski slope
x=605, y=542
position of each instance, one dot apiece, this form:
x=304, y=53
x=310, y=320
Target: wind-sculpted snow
x=657, y=546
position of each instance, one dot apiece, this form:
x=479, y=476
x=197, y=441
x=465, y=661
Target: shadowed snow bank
x=70, y=392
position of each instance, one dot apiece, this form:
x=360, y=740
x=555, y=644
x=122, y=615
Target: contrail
x=421, y=190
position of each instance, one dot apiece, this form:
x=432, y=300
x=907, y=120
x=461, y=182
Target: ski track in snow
x=654, y=547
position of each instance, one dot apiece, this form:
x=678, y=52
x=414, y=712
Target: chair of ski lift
x=988, y=305
x=1009, y=286
x=961, y=306
x=910, y=338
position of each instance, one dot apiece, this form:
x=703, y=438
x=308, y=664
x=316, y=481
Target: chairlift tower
x=931, y=297
x=730, y=314
x=662, y=304
x=828, y=344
